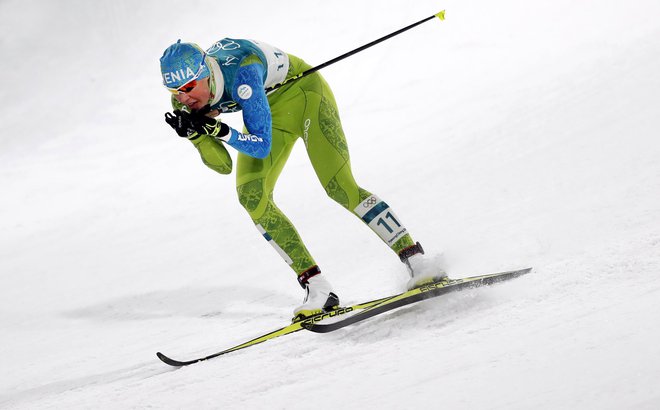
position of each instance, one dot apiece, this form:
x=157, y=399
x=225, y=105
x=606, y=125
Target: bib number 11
x=389, y=216
x=380, y=218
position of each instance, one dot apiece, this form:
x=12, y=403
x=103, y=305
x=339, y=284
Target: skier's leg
x=255, y=182
x=328, y=152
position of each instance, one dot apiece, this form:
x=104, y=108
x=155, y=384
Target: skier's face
x=196, y=98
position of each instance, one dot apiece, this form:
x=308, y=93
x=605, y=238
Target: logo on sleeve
x=244, y=91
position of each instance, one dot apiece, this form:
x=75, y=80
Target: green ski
x=412, y=296
x=293, y=327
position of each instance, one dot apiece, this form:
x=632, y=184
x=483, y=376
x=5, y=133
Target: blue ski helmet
x=182, y=63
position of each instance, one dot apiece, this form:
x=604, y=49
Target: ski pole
x=440, y=15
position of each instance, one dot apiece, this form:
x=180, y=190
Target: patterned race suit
x=305, y=108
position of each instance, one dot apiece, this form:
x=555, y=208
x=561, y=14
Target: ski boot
x=319, y=297
x=423, y=270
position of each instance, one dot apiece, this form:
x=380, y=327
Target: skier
x=232, y=75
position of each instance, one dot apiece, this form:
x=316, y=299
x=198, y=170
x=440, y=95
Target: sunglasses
x=190, y=85
x=186, y=88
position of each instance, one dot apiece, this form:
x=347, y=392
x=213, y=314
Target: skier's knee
x=337, y=194
x=252, y=197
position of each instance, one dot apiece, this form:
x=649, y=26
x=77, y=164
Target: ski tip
x=162, y=357
x=440, y=15
x=169, y=361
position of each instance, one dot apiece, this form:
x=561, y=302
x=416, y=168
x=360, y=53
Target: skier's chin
x=195, y=106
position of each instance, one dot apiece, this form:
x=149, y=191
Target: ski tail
x=416, y=295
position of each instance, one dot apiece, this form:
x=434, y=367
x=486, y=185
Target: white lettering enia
x=178, y=75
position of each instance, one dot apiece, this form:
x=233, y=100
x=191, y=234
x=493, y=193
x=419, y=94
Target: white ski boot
x=319, y=298
x=423, y=270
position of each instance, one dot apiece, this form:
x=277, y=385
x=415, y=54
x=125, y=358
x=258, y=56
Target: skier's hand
x=192, y=125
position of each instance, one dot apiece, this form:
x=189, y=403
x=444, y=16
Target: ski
x=292, y=328
x=412, y=296
x=360, y=312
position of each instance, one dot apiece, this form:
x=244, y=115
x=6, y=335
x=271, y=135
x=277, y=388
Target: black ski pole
x=440, y=15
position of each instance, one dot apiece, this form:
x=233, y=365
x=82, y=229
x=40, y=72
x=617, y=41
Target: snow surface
x=513, y=134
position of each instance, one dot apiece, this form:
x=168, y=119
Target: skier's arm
x=213, y=153
x=249, y=93
x=256, y=142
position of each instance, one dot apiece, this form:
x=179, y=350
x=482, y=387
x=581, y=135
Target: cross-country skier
x=232, y=75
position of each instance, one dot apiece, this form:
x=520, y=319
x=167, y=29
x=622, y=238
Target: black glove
x=192, y=125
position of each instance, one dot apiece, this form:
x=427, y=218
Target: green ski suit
x=304, y=108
